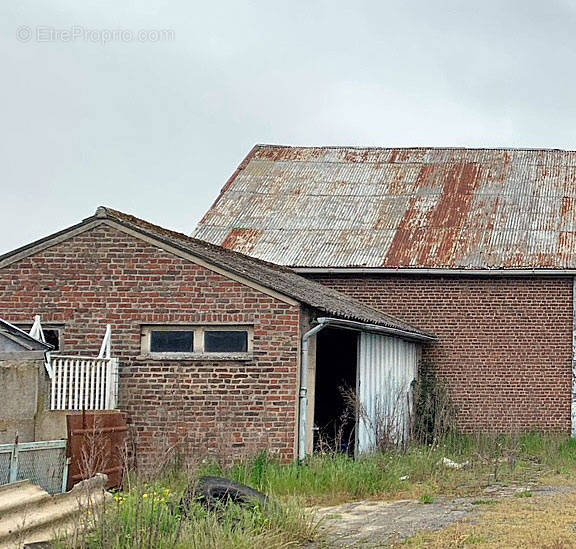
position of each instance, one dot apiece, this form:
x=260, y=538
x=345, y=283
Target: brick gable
x=107, y=276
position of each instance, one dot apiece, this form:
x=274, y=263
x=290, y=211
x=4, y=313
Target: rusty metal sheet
x=97, y=444
x=394, y=208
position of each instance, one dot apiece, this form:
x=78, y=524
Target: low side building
x=21, y=380
x=219, y=354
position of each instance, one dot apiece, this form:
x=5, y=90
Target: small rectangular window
x=193, y=342
x=171, y=341
x=225, y=341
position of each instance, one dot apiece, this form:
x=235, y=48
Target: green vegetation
x=147, y=514
x=426, y=498
x=148, y=517
x=335, y=478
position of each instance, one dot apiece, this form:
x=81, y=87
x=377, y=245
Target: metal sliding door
x=387, y=366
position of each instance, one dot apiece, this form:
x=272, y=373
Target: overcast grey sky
x=153, y=125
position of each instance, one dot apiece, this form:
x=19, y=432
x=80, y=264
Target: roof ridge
x=409, y=148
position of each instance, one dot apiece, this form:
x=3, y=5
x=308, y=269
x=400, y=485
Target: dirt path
x=369, y=524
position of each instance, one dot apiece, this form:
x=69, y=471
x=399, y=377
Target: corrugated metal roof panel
x=421, y=207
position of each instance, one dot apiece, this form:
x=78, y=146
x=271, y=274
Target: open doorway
x=336, y=367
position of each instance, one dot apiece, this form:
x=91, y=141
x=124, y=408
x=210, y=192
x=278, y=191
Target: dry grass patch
x=522, y=522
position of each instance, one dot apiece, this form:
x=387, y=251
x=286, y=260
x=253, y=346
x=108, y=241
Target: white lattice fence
x=81, y=383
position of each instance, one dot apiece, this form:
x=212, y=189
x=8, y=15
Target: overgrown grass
x=148, y=517
x=333, y=478
x=147, y=514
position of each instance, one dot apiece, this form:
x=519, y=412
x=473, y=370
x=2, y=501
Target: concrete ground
x=370, y=524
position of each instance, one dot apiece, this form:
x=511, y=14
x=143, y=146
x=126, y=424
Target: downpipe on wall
x=303, y=395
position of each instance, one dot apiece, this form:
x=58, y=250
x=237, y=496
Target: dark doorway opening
x=336, y=365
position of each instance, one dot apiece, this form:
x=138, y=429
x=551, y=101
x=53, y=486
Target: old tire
x=213, y=492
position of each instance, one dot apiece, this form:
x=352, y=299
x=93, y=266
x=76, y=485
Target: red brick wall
x=504, y=344
x=218, y=407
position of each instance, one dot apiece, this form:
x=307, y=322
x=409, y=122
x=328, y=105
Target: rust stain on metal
x=460, y=183
x=567, y=207
x=242, y=240
x=356, y=156
x=449, y=213
x=287, y=154
x=393, y=156
x=97, y=444
x=393, y=207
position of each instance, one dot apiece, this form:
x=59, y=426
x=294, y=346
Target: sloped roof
x=20, y=337
x=431, y=208
x=280, y=279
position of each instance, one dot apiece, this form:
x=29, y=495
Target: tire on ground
x=212, y=492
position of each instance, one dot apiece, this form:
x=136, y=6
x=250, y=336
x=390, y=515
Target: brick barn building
x=477, y=246
x=218, y=353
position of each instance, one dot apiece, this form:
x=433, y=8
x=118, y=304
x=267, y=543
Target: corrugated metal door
x=387, y=367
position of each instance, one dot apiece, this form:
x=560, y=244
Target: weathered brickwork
x=504, y=344
x=225, y=408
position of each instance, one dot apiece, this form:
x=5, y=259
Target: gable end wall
x=227, y=409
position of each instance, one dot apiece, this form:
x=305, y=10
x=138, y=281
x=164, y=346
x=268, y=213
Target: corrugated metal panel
x=429, y=208
x=386, y=368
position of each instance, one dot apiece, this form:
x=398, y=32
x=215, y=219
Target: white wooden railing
x=84, y=383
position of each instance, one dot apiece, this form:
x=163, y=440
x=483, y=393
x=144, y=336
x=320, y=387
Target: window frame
x=199, y=352
x=58, y=328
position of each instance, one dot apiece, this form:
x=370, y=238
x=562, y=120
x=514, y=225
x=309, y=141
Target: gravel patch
x=369, y=524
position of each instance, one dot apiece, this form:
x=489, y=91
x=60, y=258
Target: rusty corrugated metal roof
x=444, y=208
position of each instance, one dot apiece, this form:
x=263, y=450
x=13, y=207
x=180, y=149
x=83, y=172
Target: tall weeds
x=148, y=517
x=434, y=414
x=147, y=514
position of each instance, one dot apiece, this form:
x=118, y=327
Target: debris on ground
x=30, y=515
x=447, y=462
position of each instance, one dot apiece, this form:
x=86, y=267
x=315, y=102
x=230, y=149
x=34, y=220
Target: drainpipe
x=304, y=387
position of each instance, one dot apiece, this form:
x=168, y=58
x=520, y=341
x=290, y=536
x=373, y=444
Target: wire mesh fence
x=44, y=463
x=5, y=459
